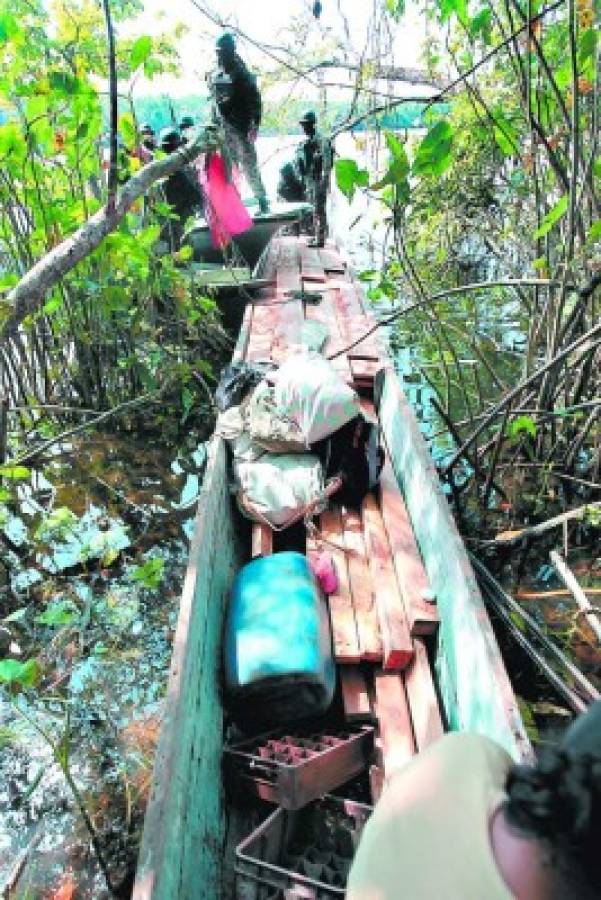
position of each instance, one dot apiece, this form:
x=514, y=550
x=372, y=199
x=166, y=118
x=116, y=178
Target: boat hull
x=253, y=242
x=184, y=840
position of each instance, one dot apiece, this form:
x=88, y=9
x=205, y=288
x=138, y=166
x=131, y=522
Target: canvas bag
x=268, y=426
x=311, y=392
x=276, y=488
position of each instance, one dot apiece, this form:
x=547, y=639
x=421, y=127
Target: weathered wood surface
x=396, y=730
x=411, y=574
x=184, y=826
x=261, y=540
x=394, y=628
x=342, y=613
x=423, y=702
x=355, y=695
x=473, y=681
x=362, y=587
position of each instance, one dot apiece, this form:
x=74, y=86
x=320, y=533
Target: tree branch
x=28, y=295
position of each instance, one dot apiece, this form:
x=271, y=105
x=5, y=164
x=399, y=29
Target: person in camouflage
x=238, y=101
x=180, y=190
x=314, y=163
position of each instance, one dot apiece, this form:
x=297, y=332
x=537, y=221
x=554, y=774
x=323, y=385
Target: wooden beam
x=396, y=731
x=423, y=702
x=362, y=588
x=261, y=540
x=394, y=627
x=355, y=695
x=474, y=686
x=342, y=613
x=411, y=574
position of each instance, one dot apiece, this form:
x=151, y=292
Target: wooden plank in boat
x=364, y=371
x=355, y=695
x=394, y=627
x=411, y=574
x=342, y=613
x=311, y=265
x=362, y=587
x=261, y=540
x=331, y=261
x=394, y=718
x=324, y=312
x=423, y=702
x=475, y=689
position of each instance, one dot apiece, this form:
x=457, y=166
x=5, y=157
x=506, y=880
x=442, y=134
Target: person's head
x=185, y=124
x=148, y=136
x=169, y=139
x=308, y=122
x=558, y=802
x=225, y=47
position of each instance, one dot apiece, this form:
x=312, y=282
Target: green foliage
x=522, y=425
x=434, y=155
x=396, y=8
x=553, y=216
x=24, y=674
x=61, y=612
x=150, y=573
x=349, y=177
x=140, y=51
x=14, y=473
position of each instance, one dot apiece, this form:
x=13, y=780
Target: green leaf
x=62, y=612
x=522, y=425
x=52, y=304
x=349, y=176
x=594, y=232
x=140, y=51
x=553, y=216
x=127, y=129
x=480, y=24
x=150, y=573
x=64, y=83
x=8, y=27
x=597, y=167
x=587, y=44
x=399, y=166
x=17, y=616
x=14, y=672
x=395, y=8
x=368, y=275
x=14, y=473
x=447, y=8
x=434, y=153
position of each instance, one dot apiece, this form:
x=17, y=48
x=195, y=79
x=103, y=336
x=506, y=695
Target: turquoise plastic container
x=278, y=646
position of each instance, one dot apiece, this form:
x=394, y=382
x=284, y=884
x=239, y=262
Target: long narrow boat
x=456, y=679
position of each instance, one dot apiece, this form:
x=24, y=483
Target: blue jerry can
x=278, y=645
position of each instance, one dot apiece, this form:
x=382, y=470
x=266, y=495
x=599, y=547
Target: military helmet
x=308, y=118
x=146, y=128
x=186, y=122
x=169, y=139
x=226, y=41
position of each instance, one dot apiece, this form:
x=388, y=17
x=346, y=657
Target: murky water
x=97, y=548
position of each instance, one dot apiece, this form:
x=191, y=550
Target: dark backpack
x=355, y=452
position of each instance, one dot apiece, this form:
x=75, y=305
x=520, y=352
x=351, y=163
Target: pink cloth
x=224, y=211
x=325, y=572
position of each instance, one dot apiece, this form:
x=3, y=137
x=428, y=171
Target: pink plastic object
x=224, y=211
x=323, y=568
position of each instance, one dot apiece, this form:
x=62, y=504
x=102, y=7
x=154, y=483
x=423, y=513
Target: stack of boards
x=384, y=610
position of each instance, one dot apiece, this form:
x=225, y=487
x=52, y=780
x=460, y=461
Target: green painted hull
x=183, y=843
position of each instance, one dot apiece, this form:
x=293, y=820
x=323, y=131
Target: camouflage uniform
x=238, y=101
x=314, y=163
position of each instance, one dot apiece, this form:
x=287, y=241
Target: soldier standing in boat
x=314, y=163
x=239, y=104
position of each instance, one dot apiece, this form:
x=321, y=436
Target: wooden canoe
x=184, y=852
